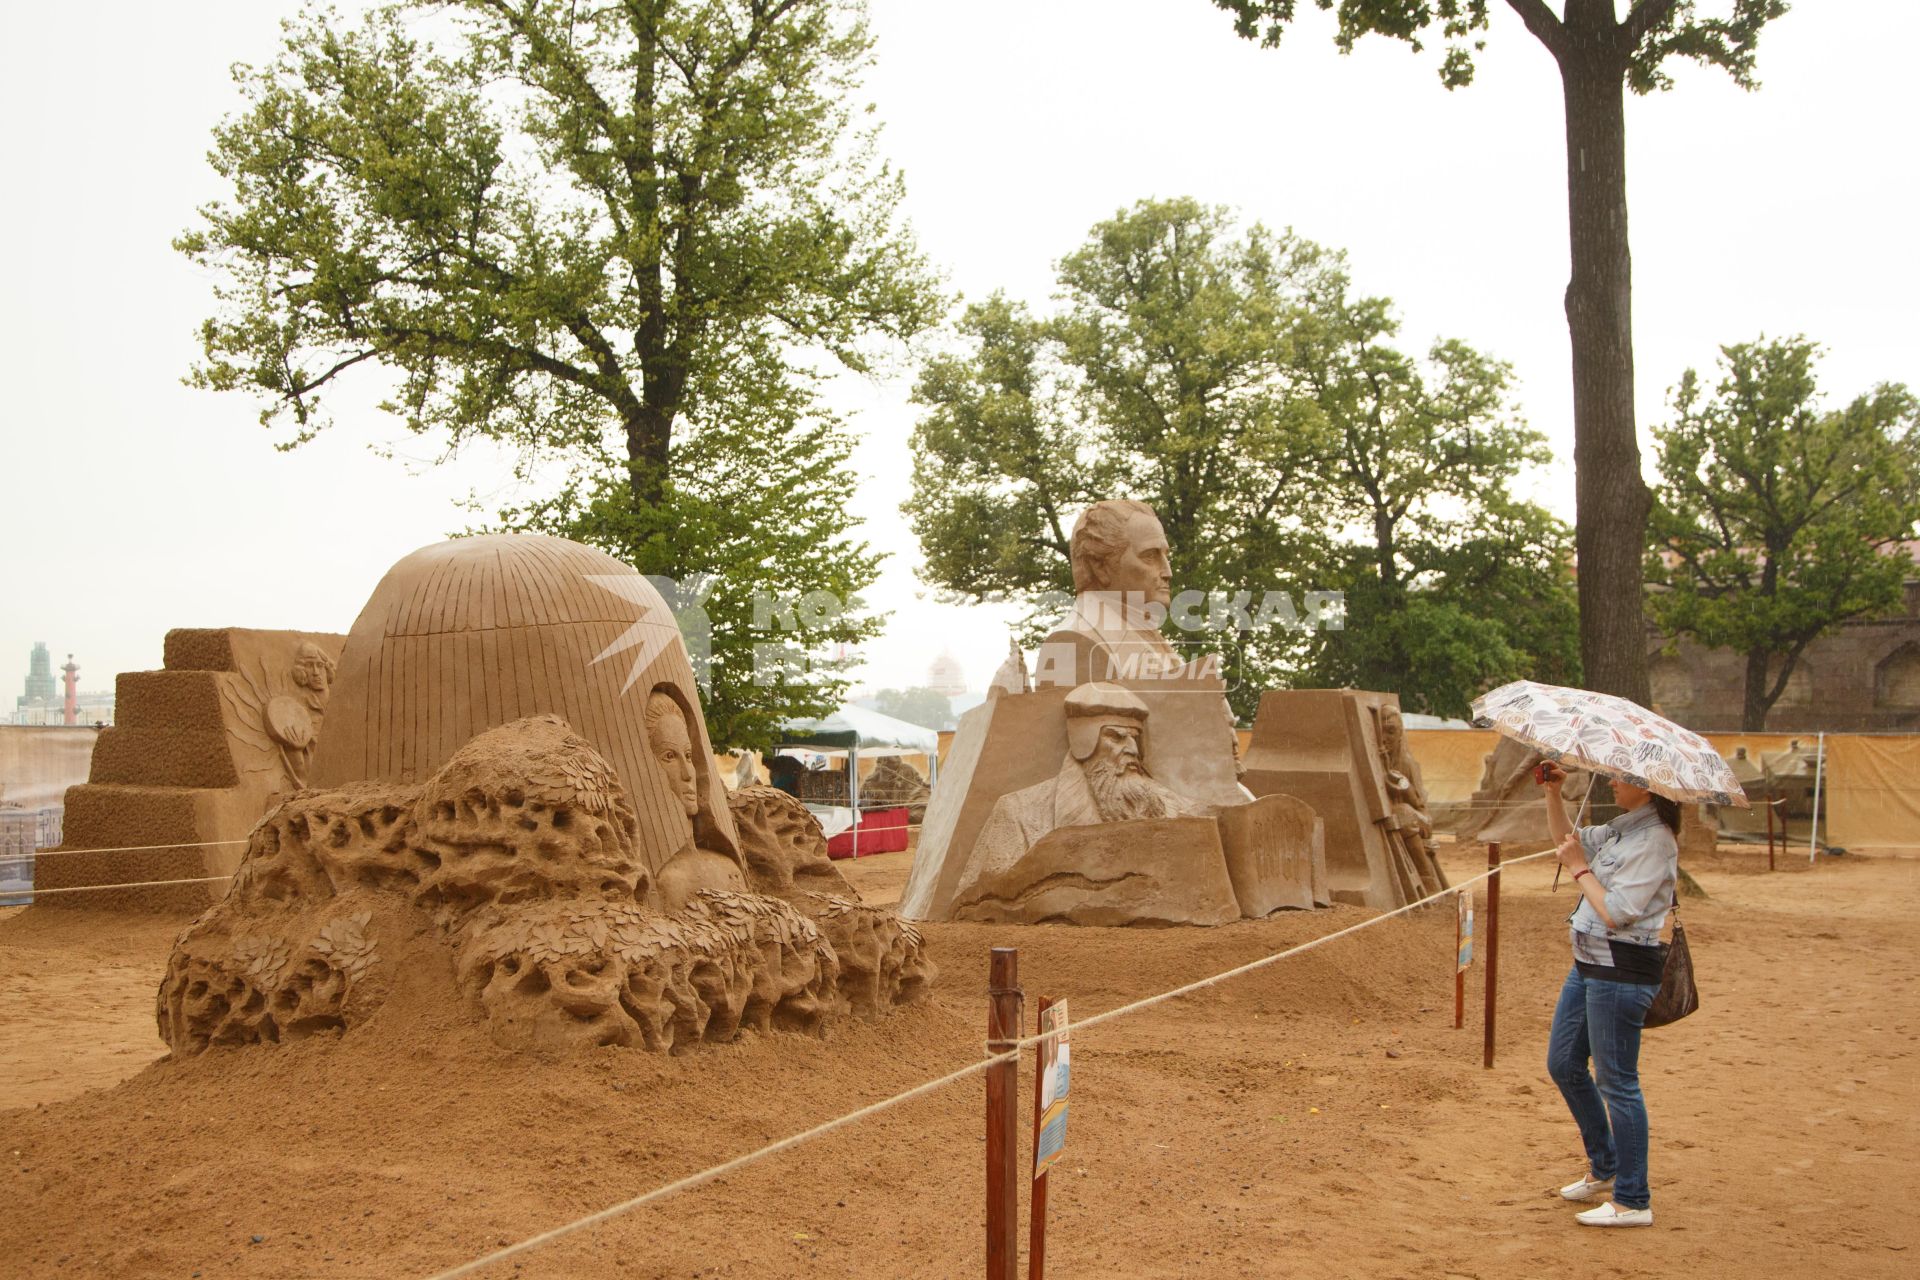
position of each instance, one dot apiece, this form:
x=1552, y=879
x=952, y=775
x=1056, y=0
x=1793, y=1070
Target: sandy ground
x=1319, y=1118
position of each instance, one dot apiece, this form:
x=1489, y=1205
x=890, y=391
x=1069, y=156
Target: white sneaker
x=1612, y=1215
x=1586, y=1188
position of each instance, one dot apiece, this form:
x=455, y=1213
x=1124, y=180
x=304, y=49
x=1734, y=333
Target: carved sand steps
x=190, y=763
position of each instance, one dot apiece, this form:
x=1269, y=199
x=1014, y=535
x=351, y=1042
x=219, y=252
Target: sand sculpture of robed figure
x=1108, y=794
x=566, y=882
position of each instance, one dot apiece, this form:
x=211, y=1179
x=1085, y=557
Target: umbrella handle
x=1559, y=867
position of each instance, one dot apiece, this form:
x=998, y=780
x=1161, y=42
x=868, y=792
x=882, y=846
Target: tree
x=1451, y=583
x=928, y=708
x=1775, y=520
x=1232, y=382
x=618, y=238
x=1157, y=381
x=1600, y=55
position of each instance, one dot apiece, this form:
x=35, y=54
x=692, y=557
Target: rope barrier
x=101, y=888
x=921, y=1090
x=126, y=848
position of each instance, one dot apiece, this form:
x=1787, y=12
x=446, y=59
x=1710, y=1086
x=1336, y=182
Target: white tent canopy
x=875, y=729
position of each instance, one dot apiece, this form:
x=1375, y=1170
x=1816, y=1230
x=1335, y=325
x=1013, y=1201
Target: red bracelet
x=1584, y=871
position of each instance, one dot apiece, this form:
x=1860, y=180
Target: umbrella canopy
x=1610, y=736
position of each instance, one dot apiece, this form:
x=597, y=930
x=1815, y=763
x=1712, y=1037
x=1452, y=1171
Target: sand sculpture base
x=1325, y=746
x=1249, y=861
x=512, y=875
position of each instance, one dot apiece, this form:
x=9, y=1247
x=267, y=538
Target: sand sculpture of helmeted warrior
x=1102, y=778
x=1109, y=793
x=492, y=786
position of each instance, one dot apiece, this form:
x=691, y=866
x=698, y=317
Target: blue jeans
x=1602, y=1020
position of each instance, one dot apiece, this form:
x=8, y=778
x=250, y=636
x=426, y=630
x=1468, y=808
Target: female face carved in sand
x=672, y=744
x=693, y=868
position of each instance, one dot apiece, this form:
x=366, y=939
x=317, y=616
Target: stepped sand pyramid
x=200, y=747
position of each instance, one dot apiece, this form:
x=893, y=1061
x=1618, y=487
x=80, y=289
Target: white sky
x=131, y=504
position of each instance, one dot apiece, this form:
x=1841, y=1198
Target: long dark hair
x=1668, y=811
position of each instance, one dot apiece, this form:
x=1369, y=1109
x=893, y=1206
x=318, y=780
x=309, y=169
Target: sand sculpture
x=583, y=900
x=1507, y=806
x=1108, y=800
x=464, y=635
x=895, y=784
x=1343, y=751
x=201, y=746
x=1734, y=822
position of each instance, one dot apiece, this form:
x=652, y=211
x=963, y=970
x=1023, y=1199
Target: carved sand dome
x=462, y=636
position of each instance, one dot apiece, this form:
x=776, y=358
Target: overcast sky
x=132, y=504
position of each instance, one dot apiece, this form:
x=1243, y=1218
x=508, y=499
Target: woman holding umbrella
x=1626, y=871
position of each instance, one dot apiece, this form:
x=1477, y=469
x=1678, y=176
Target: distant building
x=44, y=703
x=946, y=675
x=1864, y=678
x=40, y=686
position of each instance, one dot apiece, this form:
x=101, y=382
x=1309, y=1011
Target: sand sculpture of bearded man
x=1102, y=779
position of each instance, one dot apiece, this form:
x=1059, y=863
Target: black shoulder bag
x=1677, y=997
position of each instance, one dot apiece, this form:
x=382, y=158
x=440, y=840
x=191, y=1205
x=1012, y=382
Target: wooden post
x=1769, y=804
x=1493, y=946
x=1003, y=1116
x=1037, y=1211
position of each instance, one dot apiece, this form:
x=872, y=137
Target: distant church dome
x=945, y=675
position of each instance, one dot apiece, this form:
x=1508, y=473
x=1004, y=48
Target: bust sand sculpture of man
x=1102, y=779
x=692, y=868
x=1122, y=582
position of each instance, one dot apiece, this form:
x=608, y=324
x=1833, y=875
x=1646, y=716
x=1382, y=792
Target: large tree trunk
x=1610, y=528
x=1753, y=713
x=649, y=430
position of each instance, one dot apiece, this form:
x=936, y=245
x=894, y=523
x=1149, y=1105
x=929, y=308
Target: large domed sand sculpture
x=569, y=887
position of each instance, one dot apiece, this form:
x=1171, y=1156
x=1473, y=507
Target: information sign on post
x=1462, y=956
x=1464, y=934
x=1054, y=1073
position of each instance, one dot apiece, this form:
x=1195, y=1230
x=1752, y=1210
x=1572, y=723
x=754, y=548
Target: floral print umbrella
x=1610, y=736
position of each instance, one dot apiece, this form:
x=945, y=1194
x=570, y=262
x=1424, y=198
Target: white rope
x=125, y=848
x=101, y=888
x=1149, y=1001
x=921, y=1090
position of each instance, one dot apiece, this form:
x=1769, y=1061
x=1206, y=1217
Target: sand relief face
x=692, y=868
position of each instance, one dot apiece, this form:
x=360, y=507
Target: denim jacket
x=1636, y=860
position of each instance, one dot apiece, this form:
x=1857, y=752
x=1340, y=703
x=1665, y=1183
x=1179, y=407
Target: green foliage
x=1229, y=379
x=616, y=238
x=1774, y=517
x=1451, y=583
x=1641, y=42
x=928, y=708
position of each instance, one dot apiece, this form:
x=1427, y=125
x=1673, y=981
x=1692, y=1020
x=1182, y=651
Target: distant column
x=70, y=676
